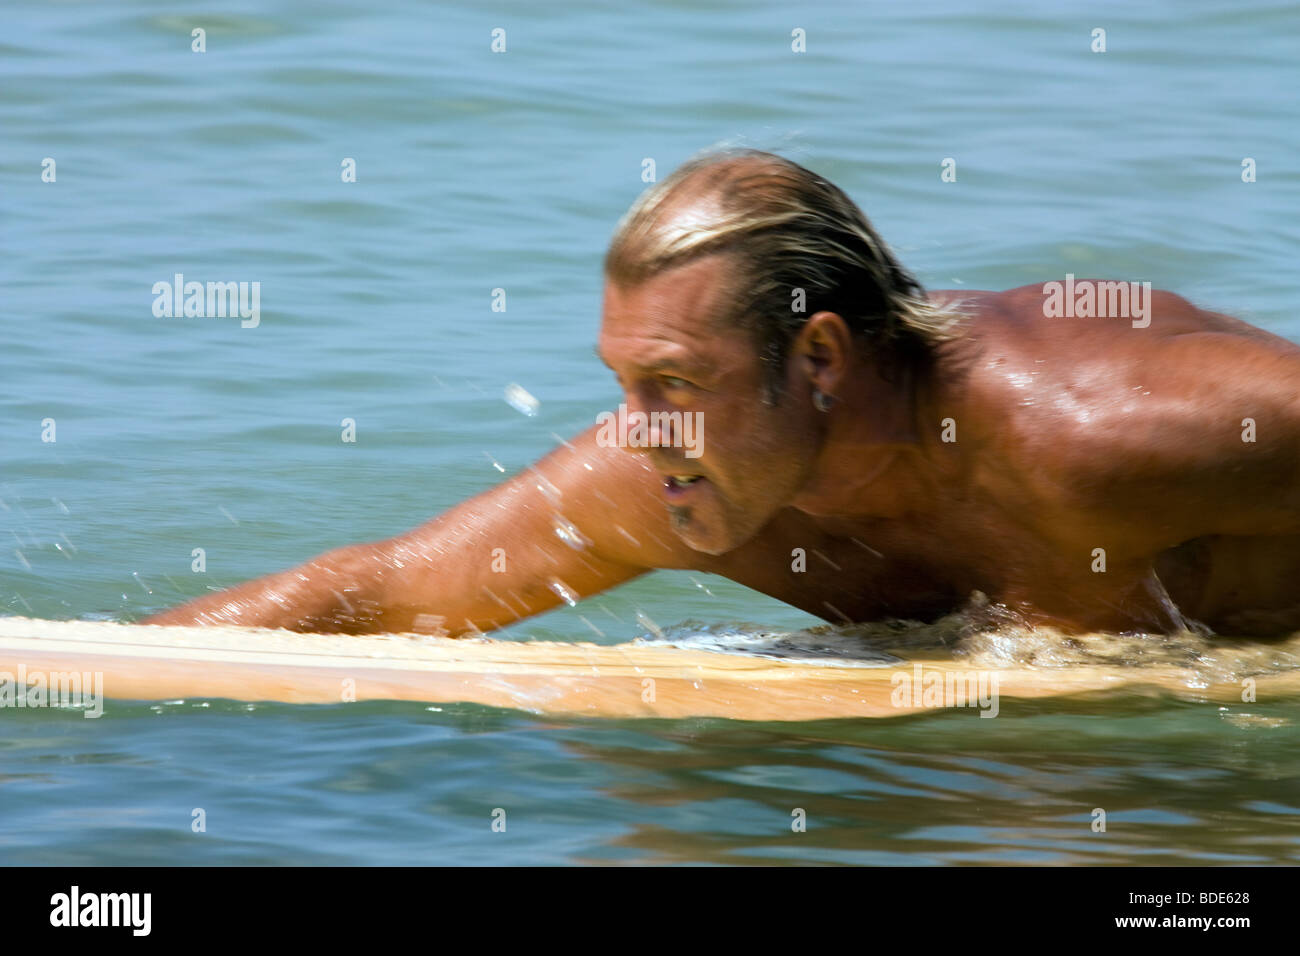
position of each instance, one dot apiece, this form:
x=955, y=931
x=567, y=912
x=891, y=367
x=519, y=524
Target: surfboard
x=556, y=678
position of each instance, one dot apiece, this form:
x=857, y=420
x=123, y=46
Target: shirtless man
x=867, y=451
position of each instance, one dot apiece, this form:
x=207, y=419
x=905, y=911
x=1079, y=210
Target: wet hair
x=784, y=229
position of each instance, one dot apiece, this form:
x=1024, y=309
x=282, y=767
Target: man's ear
x=823, y=348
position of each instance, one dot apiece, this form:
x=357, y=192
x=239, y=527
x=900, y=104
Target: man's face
x=664, y=340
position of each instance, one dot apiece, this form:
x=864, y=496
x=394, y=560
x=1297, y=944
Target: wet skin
x=1076, y=440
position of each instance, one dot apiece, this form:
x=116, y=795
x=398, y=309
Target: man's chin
x=709, y=548
x=707, y=539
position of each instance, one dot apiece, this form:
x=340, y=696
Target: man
x=864, y=450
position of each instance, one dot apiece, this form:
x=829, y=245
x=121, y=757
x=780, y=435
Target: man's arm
x=581, y=520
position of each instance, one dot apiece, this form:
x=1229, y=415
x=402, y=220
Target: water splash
x=991, y=636
x=841, y=647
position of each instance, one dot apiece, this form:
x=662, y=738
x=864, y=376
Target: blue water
x=479, y=171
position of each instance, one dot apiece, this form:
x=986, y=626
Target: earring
x=821, y=401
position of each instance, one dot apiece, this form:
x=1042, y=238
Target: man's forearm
x=330, y=594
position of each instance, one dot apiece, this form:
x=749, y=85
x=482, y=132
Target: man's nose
x=646, y=430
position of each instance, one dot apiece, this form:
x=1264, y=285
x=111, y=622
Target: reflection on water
x=1180, y=782
x=946, y=788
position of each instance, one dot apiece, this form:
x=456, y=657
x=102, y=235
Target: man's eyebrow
x=659, y=365
x=671, y=365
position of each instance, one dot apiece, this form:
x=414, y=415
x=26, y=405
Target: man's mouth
x=677, y=486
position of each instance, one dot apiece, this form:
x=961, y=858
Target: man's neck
x=873, y=463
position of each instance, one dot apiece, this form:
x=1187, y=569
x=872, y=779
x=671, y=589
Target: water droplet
x=518, y=398
x=566, y=594
x=548, y=490
x=644, y=620
x=568, y=532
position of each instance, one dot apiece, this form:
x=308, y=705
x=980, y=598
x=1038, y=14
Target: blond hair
x=786, y=229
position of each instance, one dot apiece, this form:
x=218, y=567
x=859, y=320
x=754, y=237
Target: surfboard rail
x=146, y=662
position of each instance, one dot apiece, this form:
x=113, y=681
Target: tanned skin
x=1072, y=435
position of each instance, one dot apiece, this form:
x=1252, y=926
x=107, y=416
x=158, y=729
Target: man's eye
x=673, y=382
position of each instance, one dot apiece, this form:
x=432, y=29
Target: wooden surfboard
x=623, y=680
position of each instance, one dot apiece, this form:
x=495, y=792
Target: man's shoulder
x=1078, y=402
x=1028, y=339
x=1080, y=309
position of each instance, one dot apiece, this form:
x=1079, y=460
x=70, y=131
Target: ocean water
x=477, y=171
